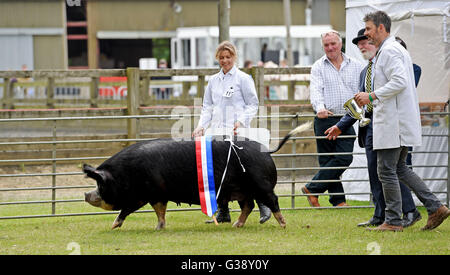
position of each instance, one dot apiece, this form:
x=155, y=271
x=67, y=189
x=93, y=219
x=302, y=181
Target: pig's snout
x=94, y=199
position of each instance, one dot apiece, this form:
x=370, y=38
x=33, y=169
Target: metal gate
x=57, y=185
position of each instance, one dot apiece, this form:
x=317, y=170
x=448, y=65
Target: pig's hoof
x=238, y=224
x=280, y=219
x=282, y=223
x=160, y=226
x=117, y=223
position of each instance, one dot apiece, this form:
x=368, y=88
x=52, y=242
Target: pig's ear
x=91, y=172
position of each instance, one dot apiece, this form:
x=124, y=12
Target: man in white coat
x=396, y=124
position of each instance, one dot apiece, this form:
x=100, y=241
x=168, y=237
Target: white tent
x=424, y=26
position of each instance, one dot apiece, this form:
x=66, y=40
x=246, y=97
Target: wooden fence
x=137, y=86
x=137, y=83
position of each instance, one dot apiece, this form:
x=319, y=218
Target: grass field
x=308, y=232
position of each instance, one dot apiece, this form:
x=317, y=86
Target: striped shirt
x=330, y=88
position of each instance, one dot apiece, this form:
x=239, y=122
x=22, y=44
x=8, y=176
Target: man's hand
x=362, y=98
x=324, y=113
x=333, y=132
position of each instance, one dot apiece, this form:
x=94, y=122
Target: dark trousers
x=375, y=184
x=339, y=145
x=392, y=170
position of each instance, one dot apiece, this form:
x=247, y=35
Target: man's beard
x=367, y=55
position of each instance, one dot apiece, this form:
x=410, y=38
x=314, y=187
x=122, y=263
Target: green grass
x=326, y=231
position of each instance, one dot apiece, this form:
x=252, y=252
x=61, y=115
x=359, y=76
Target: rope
x=232, y=146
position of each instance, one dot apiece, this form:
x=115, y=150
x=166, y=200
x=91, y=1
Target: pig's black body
x=163, y=170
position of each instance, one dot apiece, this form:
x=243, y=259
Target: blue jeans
x=392, y=169
x=331, y=146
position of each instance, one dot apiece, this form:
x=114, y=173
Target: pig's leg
x=266, y=195
x=246, y=208
x=120, y=218
x=124, y=213
x=280, y=219
x=271, y=201
x=160, y=210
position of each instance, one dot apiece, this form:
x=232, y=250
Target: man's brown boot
x=386, y=227
x=435, y=219
x=313, y=200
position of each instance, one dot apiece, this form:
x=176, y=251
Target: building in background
x=70, y=34
x=32, y=34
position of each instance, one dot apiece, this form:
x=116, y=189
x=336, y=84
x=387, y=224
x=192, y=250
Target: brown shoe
x=435, y=219
x=387, y=227
x=342, y=204
x=313, y=200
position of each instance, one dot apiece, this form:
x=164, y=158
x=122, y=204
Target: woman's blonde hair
x=226, y=46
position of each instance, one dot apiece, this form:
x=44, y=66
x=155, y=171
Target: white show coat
x=229, y=98
x=396, y=115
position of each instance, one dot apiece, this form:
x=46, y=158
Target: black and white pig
x=162, y=170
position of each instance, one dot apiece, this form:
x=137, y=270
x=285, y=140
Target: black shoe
x=410, y=218
x=223, y=215
x=374, y=221
x=264, y=213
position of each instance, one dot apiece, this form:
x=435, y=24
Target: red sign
x=113, y=91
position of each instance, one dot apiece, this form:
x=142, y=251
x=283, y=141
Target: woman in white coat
x=230, y=101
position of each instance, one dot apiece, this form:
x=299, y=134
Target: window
x=186, y=52
x=77, y=34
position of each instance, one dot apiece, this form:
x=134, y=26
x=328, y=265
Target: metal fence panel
x=56, y=185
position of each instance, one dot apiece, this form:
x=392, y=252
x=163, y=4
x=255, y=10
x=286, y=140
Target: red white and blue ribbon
x=205, y=175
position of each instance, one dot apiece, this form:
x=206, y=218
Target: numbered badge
x=229, y=93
